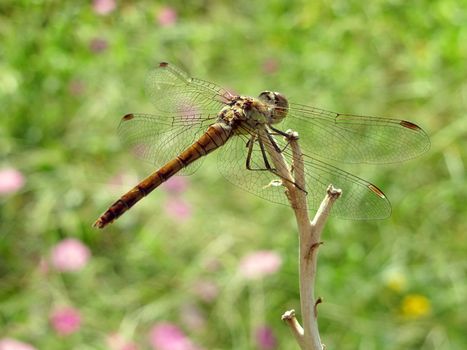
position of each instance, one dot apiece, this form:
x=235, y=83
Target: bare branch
x=309, y=239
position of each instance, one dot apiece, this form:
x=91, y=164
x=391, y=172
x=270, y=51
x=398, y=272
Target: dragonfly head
x=278, y=101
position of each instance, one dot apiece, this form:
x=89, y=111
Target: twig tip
x=333, y=191
x=288, y=315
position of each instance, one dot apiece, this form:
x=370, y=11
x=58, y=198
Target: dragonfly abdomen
x=216, y=136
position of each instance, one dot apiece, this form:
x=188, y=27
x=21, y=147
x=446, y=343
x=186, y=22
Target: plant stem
x=309, y=239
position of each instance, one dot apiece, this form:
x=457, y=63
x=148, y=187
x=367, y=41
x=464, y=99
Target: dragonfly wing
x=171, y=90
x=158, y=140
x=360, y=199
x=355, y=139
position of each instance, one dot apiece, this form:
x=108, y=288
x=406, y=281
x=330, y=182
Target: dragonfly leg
x=265, y=157
x=250, y=144
x=279, y=132
x=288, y=136
x=273, y=142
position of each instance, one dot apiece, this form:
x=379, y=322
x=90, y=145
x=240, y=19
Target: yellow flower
x=415, y=306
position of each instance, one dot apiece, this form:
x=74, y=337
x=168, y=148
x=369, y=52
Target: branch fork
x=309, y=239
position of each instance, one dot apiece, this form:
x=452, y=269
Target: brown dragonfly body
x=214, y=137
x=196, y=117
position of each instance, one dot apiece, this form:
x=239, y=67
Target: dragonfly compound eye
x=282, y=105
x=267, y=96
x=279, y=102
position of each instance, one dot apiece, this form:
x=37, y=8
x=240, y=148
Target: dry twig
x=309, y=239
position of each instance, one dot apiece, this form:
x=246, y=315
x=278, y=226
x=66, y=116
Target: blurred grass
x=62, y=100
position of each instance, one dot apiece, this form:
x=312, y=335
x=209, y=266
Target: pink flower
x=206, y=290
x=265, y=338
x=176, y=185
x=70, y=255
x=260, y=264
x=270, y=66
x=65, y=320
x=11, y=180
x=103, y=7
x=98, y=45
x=167, y=16
x=167, y=336
x=116, y=341
x=178, y=209
x=12, y=344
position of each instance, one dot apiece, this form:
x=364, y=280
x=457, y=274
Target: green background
x=61, y=103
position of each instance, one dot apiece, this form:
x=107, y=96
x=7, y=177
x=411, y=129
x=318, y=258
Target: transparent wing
x=355, y=139
x=172, y=91
x=360, y=199
x=159, y=140
x=186, y=107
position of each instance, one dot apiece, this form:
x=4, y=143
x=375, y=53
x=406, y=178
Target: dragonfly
x=196, y=117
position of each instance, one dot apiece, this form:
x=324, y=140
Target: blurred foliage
x=67, y=75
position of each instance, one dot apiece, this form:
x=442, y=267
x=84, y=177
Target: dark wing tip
x=410, y=125
x=163, y=64
x=376, y=191
x=424, y=145
x=128, y=117
x=382, y=213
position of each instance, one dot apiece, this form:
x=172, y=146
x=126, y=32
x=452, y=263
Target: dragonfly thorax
x=268, y=108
